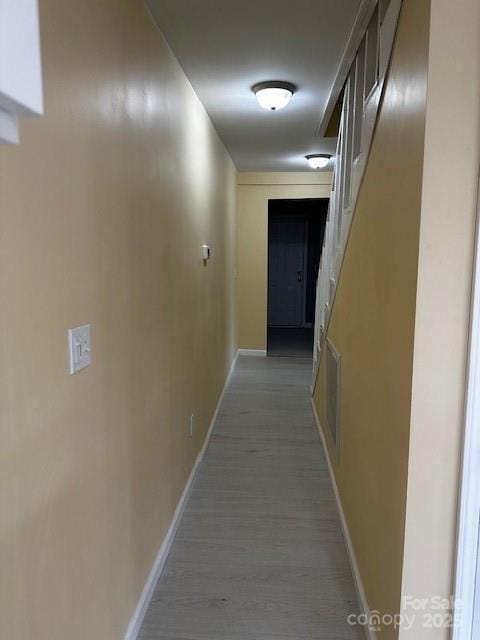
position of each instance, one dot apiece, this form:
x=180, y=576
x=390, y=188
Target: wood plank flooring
x=259, y=553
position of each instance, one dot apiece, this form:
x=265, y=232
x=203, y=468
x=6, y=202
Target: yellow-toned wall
x=372, y=323
x=103, y=210
x=254, y=190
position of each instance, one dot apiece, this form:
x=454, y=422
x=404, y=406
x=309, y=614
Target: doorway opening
x=295, y=237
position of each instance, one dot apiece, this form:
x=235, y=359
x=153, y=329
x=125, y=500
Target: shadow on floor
x=286, y=341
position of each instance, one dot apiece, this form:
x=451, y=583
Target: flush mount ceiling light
x=318, y=160
x=273, y=95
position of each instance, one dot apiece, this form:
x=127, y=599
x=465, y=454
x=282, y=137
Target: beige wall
x=449, y=204
x=103, y=210
x=372, y=323
x=254, y=190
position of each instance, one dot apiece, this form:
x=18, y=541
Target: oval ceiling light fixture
x=318, y=160
x=273, y=95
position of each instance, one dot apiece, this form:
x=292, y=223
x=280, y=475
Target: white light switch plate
x=79, y=348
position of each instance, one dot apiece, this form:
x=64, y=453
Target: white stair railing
x=361, y=100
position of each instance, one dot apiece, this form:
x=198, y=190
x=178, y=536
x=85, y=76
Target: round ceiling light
x=318, y=160
x=273, y=95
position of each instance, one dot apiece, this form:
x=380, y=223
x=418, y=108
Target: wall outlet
x=79, y=347
x=190, y=426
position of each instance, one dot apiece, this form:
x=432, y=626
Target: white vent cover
x=333, y=392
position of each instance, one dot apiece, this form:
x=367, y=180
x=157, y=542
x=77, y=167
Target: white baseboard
x=252, y=352
x=370, y=634
x=162, y=555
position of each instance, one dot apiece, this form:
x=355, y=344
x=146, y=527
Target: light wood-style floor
x=259, y=553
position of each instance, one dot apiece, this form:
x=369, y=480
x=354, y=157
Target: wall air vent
x=333, y=392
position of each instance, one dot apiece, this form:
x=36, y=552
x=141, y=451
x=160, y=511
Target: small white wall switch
x=79, y=348
x=205, y=252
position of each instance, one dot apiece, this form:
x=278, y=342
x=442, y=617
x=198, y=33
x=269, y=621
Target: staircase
x=359, y=101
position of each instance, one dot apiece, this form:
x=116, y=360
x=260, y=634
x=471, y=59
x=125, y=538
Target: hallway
x=259, y=553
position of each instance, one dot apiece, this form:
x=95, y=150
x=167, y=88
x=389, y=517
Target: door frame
x=468, y=549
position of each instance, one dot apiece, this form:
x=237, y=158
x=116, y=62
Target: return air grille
x=333, y=392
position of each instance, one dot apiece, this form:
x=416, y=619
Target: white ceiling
x=226, y=46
